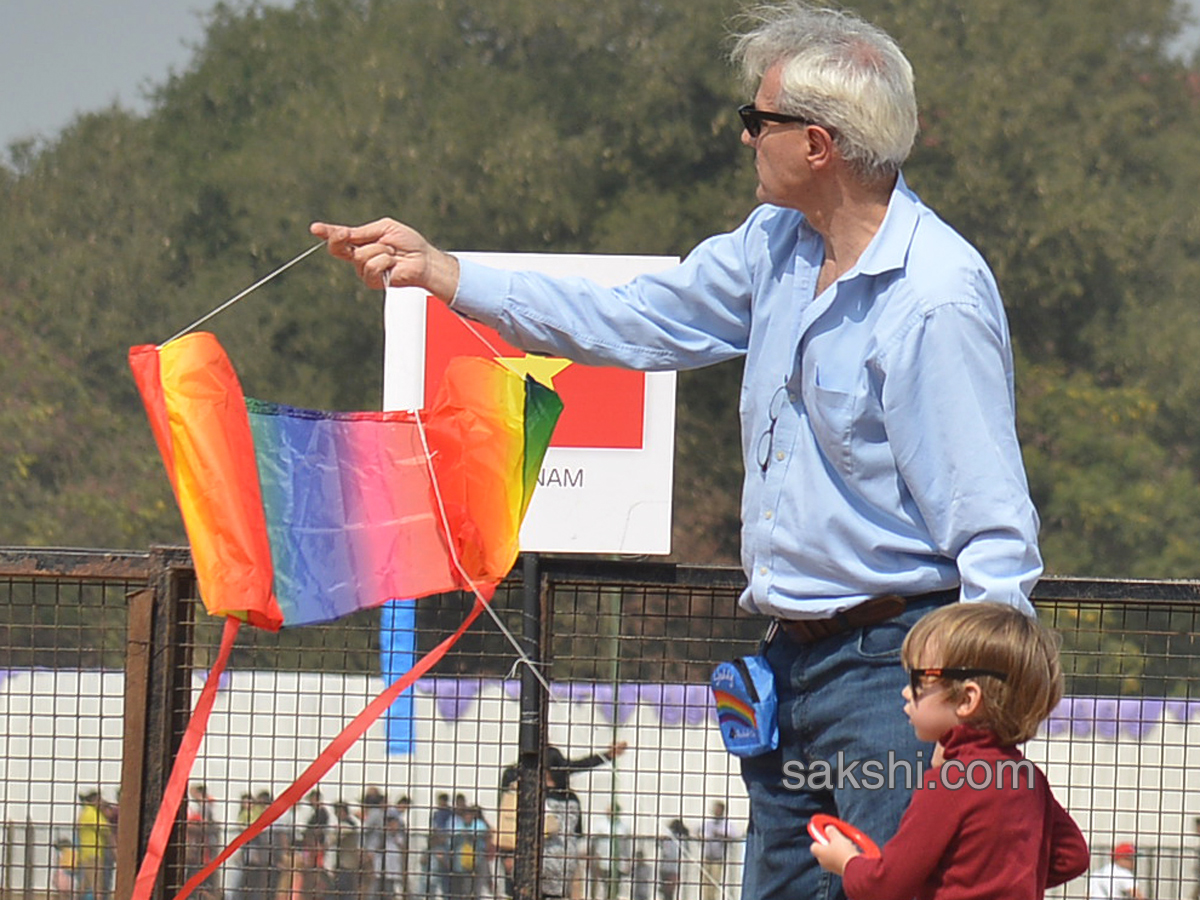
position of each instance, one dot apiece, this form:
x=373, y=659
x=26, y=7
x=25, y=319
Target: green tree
x=1025, y=104
x=1114, y=503
x=1059, y=138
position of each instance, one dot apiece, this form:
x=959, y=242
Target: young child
x=984, y=823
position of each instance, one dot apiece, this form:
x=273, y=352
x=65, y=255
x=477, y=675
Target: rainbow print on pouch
x=299, y=516
x=735, y=715
x=747, y=708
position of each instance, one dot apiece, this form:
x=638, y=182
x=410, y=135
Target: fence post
x=158, y=697
x=6, y=866
x=27, y=887
x=531, y=787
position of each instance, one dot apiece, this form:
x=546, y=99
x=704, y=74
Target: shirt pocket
x=832, y=416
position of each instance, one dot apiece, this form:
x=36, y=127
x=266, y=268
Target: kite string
x=287, y=265
x=437, y=493
x=479, y=334
x=232, y=300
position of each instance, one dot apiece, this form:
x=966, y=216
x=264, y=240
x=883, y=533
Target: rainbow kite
x=299, y=516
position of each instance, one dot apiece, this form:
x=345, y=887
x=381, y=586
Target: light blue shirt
x=883, y=409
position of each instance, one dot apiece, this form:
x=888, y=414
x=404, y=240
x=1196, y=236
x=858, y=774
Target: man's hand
x=386, y=252
x=834, y=855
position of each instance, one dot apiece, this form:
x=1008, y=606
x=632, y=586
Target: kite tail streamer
x=328, y=758
x=181, y=770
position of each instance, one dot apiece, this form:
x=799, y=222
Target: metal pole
x=531, y=779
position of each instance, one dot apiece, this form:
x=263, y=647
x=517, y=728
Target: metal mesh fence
x=627, y=656
x=1121, y=749
x=62, y=651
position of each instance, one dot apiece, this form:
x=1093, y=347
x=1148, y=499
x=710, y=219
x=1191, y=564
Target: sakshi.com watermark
x=894, y=774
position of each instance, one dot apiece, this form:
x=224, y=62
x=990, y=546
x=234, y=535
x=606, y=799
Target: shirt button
x=768, y=515
x=791, y=396
x=762, y=570
x=780, y=455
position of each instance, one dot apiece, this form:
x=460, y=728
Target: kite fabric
x=300, y=516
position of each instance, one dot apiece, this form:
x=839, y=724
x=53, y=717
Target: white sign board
x=605, y=484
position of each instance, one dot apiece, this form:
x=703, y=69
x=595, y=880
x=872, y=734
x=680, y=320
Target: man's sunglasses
x=916, y=675
x=754, y=119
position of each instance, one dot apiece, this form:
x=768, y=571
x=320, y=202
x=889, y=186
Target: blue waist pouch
x=747, y=708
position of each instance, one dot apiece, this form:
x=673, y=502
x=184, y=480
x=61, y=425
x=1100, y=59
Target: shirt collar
x=888, y=250
x=960, y=738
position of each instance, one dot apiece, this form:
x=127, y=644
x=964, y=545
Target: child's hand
x=834, y=855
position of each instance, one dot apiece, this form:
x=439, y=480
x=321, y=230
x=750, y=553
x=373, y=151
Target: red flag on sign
x=602, y=407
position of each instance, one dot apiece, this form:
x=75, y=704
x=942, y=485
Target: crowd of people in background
x=371, y=849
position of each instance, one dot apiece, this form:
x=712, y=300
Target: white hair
x=842, y=73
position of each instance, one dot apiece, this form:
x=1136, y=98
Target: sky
x=59, y=58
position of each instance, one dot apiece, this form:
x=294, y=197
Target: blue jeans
x=839, y=702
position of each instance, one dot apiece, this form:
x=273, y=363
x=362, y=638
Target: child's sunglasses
x=916, y=675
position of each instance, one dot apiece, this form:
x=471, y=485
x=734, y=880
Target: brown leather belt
x=870, y=612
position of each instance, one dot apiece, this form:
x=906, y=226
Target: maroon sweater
x=1008, y=841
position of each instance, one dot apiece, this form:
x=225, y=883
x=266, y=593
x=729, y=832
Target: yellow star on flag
x=541, y=368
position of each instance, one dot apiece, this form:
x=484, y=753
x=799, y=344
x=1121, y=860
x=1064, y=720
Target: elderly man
x=883, y=474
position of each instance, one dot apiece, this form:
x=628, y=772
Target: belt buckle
x=772, y=630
